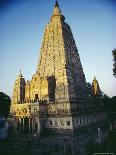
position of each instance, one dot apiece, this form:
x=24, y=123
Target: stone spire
x=57, y=10
x=56, y=4
x=19, y=89
x=59, y=58
x=20, y=74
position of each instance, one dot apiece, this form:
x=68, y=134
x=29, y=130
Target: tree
x=110, y=106
x=93, y=147
x=114, y=60
x=89, y=88
x=5, y=102
x=111, y=141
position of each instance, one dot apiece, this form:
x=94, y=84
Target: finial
x=56, y=3
x=94, y=78
x=57, y=11
x=20, y=72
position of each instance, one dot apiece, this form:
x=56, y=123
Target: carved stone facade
x=56, y=96
x=37, y=88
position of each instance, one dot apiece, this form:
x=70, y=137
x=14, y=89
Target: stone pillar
x=61, y=147
x=29, y=125
x=110, y=126
x=99, y=135
x=82, y=120
x=89, y=120
x=33, y=125
x=23, y=124
x=38, y=128
x=79, y=121
x=94, y=119
x=77, y=146
x=72, y=147
x=19, y=124
x=65, y=143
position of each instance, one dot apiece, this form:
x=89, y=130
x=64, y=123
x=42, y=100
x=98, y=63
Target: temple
x=56, y=96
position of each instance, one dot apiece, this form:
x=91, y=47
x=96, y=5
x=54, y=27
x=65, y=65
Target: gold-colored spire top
x=20, y=74
x=95, y=87
x=57, y=10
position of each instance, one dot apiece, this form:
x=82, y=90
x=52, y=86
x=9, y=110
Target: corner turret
x=19, y=89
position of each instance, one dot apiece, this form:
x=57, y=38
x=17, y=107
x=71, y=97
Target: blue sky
x=22, y=23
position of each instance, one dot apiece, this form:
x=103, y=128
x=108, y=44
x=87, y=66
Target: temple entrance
x=36, y=96
x=28, y=126
x=51, y=88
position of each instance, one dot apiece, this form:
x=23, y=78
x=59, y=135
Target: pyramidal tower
x=59, y=58
x=55, y=97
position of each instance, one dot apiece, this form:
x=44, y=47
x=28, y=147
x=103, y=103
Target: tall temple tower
x=55, y=97
x=59, y=57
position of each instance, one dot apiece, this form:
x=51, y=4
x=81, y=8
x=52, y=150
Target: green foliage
x=90, y=92
x=114, y=60
x=93, y=147
x=46, y=133
x=111, y=140
x=108, y=146
x=110, y=106
x=4, y=104
x=89, y=89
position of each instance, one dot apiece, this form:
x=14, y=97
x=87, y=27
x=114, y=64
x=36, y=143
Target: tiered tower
x=55, y=97
x=59, y=57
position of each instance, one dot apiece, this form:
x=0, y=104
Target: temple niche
x=51, y=88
